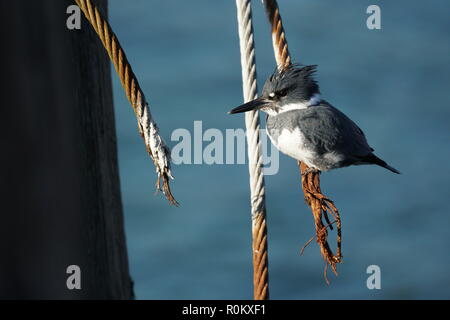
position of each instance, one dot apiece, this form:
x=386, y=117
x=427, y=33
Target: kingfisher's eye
x=281, y=93
x=271, y=95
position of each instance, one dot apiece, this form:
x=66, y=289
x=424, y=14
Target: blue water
x=393, y=82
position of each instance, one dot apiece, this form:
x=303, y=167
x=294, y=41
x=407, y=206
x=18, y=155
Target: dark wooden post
x=59, y=184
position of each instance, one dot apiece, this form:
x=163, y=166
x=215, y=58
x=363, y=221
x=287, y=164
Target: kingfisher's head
x=288, y=89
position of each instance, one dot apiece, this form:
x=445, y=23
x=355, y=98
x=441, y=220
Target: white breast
x=293, y=144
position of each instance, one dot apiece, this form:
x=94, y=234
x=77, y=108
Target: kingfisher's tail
x=373, y=159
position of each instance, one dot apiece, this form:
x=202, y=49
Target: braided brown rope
x=250, y=90
x=320, y=205
x=260, y=259
x=279, y=42
x=148, y=129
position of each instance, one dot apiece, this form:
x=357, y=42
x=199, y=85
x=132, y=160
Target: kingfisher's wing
x=329, y=130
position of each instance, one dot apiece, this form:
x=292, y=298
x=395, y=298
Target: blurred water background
x=393, y=82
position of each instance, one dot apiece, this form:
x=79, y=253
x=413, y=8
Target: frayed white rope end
x=157, y=149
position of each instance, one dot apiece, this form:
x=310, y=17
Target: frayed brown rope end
x=166, y=189
x=321, y=206
x=164, y=176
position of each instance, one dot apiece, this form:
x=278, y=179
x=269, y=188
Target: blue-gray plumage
x=306, y=127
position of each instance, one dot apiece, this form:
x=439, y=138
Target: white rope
x=250, y=91
x=257, y=192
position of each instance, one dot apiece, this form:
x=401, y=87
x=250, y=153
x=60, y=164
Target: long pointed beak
x=251, y=105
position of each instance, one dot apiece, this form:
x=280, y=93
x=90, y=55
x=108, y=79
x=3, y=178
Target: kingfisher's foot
x=310, y=170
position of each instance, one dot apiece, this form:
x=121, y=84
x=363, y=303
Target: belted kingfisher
x=307, y=128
